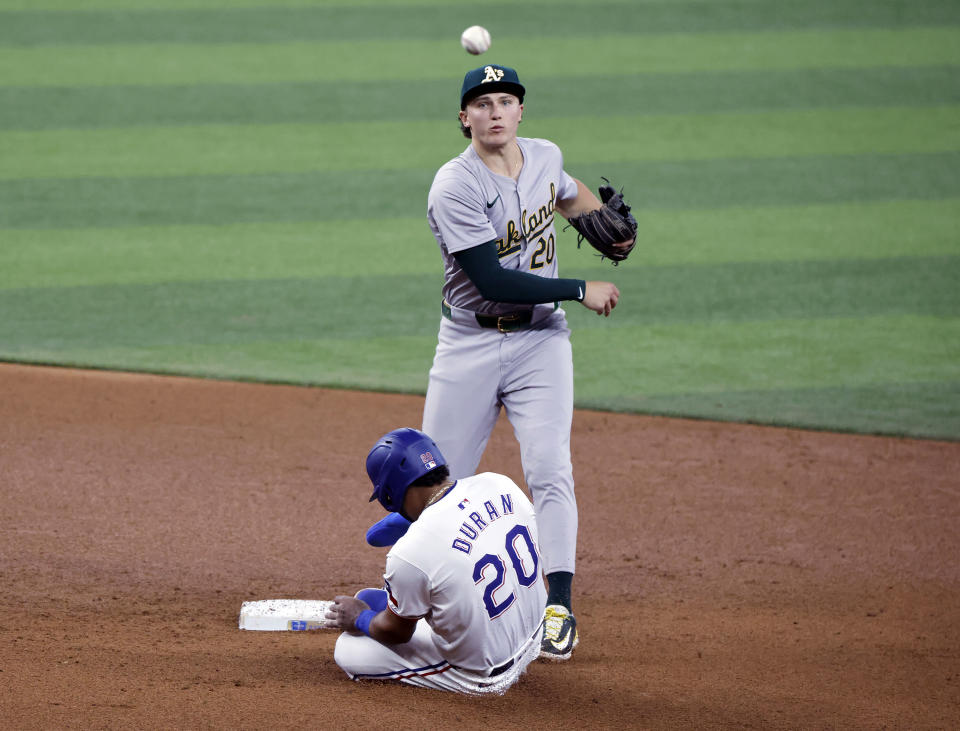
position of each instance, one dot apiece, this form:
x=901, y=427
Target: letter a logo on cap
x=492, y=74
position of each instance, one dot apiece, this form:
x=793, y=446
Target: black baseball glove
x=610, y=224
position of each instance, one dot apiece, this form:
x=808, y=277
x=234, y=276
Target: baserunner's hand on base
x=344, y=612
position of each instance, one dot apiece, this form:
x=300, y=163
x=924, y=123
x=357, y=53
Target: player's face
x=493, y=118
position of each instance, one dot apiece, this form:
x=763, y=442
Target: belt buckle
x=504, y=321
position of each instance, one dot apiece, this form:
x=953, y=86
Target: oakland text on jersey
x=470, y=529
x=530, y=226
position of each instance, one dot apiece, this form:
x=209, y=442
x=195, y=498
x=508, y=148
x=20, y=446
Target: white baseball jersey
x=470, y=566
x=470, y=205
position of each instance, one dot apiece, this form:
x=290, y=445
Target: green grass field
x=237, y=189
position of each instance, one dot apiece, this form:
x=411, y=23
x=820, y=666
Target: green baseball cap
x=490, y=78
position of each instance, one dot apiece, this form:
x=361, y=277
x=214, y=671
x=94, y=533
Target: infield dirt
x=728, y=575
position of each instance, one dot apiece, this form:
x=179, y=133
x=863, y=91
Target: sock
x=559, y=588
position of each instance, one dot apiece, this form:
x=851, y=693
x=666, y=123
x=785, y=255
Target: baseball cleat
x=560, y=634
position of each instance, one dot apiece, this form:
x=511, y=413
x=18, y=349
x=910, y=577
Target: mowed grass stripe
x=98, y=6
x=285, y=24
x=781, y=181
x=147, y=254
x=812, y=352
x=783, y=290
x=926, y=410
x=187, y=313
x=152, y=254
x=347, y=61
x=849, y=231
x=332, y=363
x=756, y=135
x=377, y=194
x=236, y=311
x=29, y=108
x=504, y=20
x=251, y=149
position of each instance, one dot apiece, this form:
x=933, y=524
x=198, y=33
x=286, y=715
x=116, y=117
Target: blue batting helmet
x=397, y=460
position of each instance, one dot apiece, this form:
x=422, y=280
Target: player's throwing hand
x=601, y=297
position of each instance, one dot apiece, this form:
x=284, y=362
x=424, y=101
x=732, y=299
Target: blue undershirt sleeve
x=510, y=285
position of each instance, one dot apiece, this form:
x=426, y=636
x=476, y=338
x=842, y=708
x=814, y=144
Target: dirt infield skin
x=729, y=575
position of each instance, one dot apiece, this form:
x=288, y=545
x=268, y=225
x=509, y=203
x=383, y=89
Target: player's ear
x=463, y=118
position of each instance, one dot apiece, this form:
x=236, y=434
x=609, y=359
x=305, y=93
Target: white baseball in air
x=475, y=39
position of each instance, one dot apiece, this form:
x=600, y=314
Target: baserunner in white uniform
x=504, y=340
x=462, y=608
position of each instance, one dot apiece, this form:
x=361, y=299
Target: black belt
x=504, y=323
x=501, y=668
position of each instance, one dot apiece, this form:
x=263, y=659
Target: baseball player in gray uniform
x=504, y=340
x=463, y=605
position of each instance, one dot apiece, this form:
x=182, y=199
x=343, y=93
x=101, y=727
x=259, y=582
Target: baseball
x=475, y=39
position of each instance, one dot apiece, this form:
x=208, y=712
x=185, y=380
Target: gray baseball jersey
x=470, y=205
